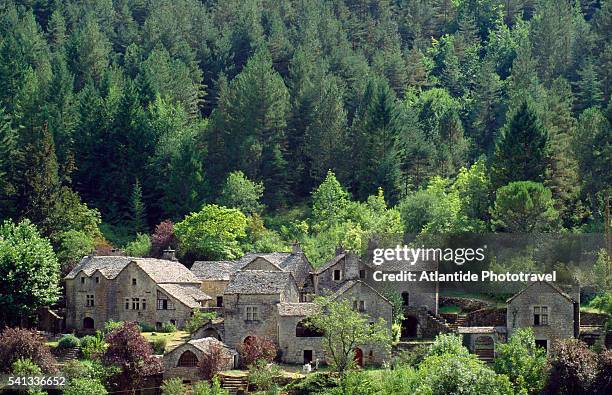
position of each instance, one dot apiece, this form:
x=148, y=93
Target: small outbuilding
x=184, y=360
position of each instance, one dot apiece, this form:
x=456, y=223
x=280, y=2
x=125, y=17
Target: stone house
x=148, y=291
x=183, y=360
x=215, y=275
x=547, y=309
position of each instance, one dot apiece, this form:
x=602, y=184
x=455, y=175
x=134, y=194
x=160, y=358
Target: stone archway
x=410, y=326
x=88, y=323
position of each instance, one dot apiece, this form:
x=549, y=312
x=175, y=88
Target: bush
x=82, y=386
x=16, y=343
x=448, y=344
x=313, y=384
x=401, y=380
x=355, y=383
x=68, y=341
x=168, y=327
x=159, y=345
x=262, y=375
x=173, y=386
x=210, y=361
x=574, y=368
x=204, y=388
x=144, y=327
x=198, y=318
x=111, y=325
x=412, y=357
x=522, y=362
x=139, y=247
x=255, y=348
x=93, y=346
x=25, y=367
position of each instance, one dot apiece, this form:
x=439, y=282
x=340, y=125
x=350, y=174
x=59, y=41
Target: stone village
x=271, y=295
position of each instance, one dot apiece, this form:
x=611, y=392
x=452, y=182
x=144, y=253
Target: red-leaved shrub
x=16, y=343
x=254, y=348
x=211, y=361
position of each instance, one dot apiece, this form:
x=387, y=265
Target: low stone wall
x=490, y=316
x=465, y=304
x=593, y=319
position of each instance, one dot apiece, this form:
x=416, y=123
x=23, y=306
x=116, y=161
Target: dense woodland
x=326, y=122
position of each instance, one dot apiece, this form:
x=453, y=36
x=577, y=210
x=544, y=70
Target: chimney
x=295, y=248
x=169, y=255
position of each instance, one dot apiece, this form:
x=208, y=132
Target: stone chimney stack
x=295, y=248
x=169, y=255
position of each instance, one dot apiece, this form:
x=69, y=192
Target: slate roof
x=350, y=284
x=204, y=343
x=553, y=286
x=189, y=295
x=330, y=263
x=215, y=270
x=253, y=282
x=160, y=270
x=398, y=266
x=297, y=309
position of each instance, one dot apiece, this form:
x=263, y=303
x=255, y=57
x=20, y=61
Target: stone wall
x=214, y=288
x=465, y=304
x=490, y=316
x=237, y=328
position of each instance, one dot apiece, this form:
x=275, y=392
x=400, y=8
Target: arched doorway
x=88, y=323
x=187, y=360
x=359, y=357
x=405, y=298
x=410, y=327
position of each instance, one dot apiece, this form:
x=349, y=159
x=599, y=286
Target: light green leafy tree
x=241, y=193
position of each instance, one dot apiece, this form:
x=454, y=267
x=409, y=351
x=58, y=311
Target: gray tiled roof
x=160, y=270
x=254, y=282
x=204, y=343
x=330, y=263
x=350, y=284
x=190, y=295
x=215, y=270
x=297, y=309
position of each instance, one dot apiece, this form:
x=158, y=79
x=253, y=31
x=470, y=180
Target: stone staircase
x=234, y=384
x=460, y=321
x=486, y=355
x=443, y=326
x=67, y=354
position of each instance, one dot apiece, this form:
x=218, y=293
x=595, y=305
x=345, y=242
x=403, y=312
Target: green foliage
x=93, y=347
x=25, y=367
x=355, y=383
x=241, y=193
x=139, y=247
x=204, y=388
x=24, y=253
x=329, y=201
x=173, y=386
x=159, y=345
x=138, y=210
x=69, y=341
x=111, y=325
x=81, y=386
x=168, y=327
x=198, y=318
x=74, y=245
x=212, y=233
x=344, y=329
x=524, y=206
x=520, y=152
x=448, y=344
x=262, y=375
x=144, y=327
x=523, y=362
x=412, y=357
x=314, y=383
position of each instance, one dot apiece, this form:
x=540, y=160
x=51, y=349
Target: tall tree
x=520, y=152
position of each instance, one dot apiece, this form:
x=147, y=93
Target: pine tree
x=8, y=158
x=137, y=210
x=588, y=88
x=521, y=150
x=487, y=110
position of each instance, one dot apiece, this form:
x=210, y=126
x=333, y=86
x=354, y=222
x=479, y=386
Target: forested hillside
x=434, y=116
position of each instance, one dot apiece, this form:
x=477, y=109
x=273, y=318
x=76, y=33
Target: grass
x=450, y=309
x=173, y=339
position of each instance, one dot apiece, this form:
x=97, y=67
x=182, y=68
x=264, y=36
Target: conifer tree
x=137, y=210
x=520, y=152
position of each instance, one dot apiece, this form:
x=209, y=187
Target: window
x=127, y=303
x=362, y=274
x=337, y=275
x=82, y=280
x=89, y=302
x=188, y=359
x=540, y=315
x=162, y=304
x=304, y=330
x=362, y=305
x=405, y=298
x=158, y=326
x=144, y=304
x=135, y=303
x=219, y=301
x=133, y=281
x=252, y=313
x=97, y=280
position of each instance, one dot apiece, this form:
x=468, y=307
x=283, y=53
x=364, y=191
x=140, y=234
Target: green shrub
x=75, y=369
x=159, y=345
x=401, y=380
x=144, y=327
x=26, y=367
x=173, y=386
x=139, y=247
x=262, y=375
x=82, y=386
x=313, y=384
x=412, y=357
x=111, y=325
x=355, y=383
x=168, y=327
x=198, y=318
x=93, y=346
x=204, y=388
x=68, y=341
x=448, y=344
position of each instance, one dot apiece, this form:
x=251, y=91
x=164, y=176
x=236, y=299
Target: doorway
x=307, y=356
x=410, y=327
x=359, y=357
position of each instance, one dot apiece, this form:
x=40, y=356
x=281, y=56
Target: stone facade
x=550, y=312
x=183, y=360
x=148, y=291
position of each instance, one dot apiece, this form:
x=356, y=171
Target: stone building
x=547, y=309
x=183, y=360
x=145, y=290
